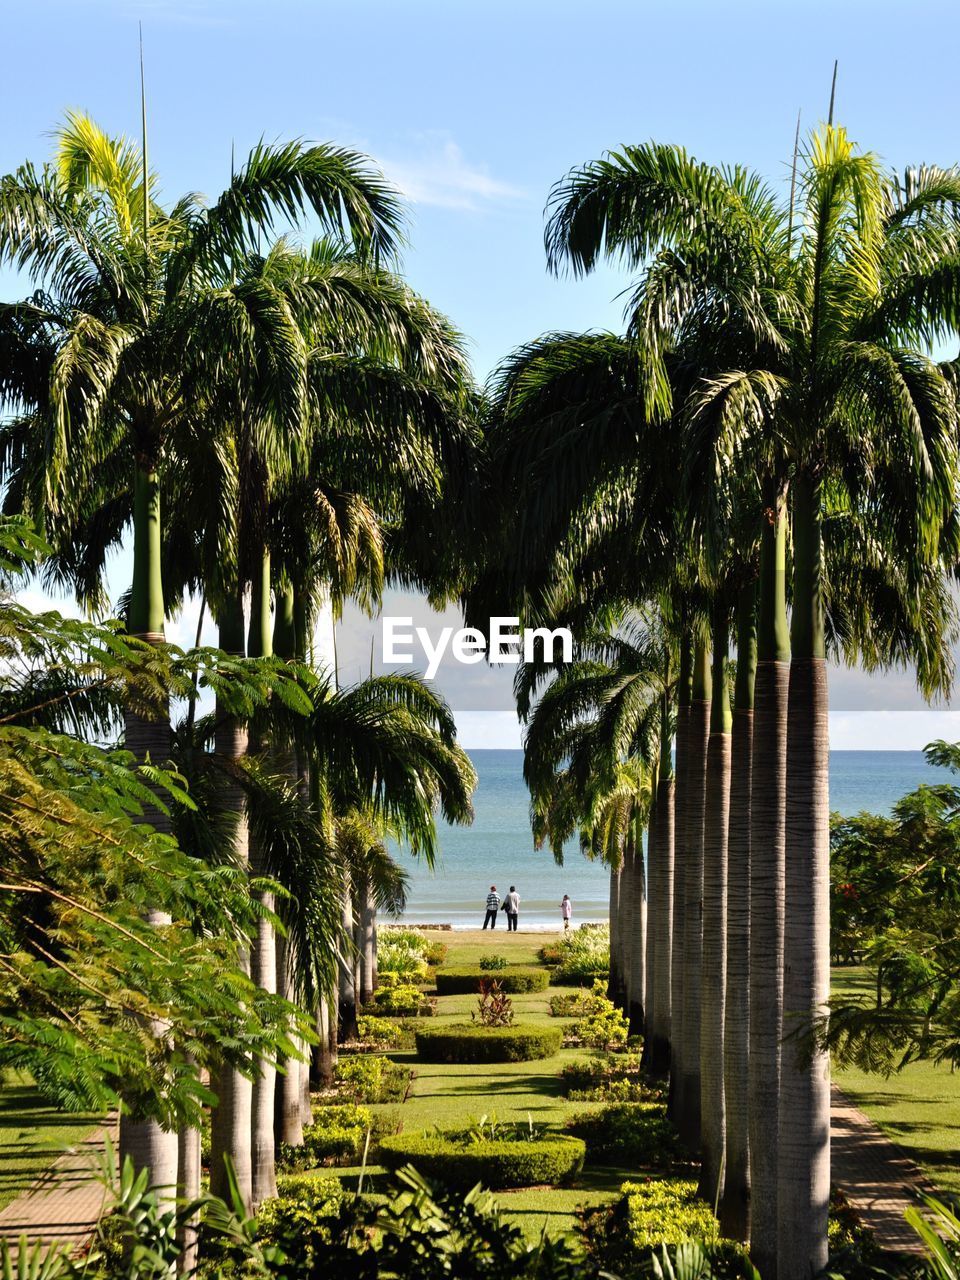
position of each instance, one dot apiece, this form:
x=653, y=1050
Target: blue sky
x=475, y=109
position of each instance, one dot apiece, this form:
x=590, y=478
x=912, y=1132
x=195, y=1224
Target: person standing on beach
x=493, y=906
x=511, y=904
x=566, y=911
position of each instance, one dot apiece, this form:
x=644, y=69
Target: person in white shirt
x=511, y=905
x=566, y=911
x=493, y=906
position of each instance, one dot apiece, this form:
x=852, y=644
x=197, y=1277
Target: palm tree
x=735, y=1201
x=688, y=1091
x=123, y=319
x=714, y=957
x=837, y=316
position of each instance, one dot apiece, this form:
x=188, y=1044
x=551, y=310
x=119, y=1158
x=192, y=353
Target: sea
x=498, y=847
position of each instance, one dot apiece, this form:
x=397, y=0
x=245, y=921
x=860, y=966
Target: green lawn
x=455, y=1096
x=918, y=1107
x=32, y=1135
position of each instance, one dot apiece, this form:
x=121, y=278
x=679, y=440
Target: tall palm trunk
x=684, y=689
x=660, y=915
x=231, y=1123
x=288, y=1101
x=804, y=1144
x=652, y=896
x=147, y=1144
x=627, y=925
x=188, y=1189
x=615, y=982
x=735, y=1202
x=347, y=966
x=713, y=980
x=367, y=910
x=767, y=852
x=688, y=1100
x=263, y=959
x=638, y=948
x=288, y=1119
x=325, y=1050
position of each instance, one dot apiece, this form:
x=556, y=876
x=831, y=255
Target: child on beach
x=566, y=911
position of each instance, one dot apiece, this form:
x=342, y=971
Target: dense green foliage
x=515, y=981
x=521, y=1042
x=338, y=1135
x=464, y=1162
x=636, y=1132
x=372, y=1079
x=896, y=893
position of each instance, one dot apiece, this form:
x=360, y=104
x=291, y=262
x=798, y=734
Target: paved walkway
x=65, y=1201
x=877, y=1178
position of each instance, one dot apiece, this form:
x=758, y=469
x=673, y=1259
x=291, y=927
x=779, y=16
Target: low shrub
x=493, y=962
x=580, y=954
x=638, y=1132
x=402, y=1001
x=337, y=1135
x=461, y=1161
x=550, y=953
x=370, y=1078
x=574, y=1005
x=612, y=1078
x=403, y=952
x=381, y=1033
x=463, y=981
x=299, y=1219
x=435, y=953
x=464, y=1043
x=603, y=1028
x=651, y=1219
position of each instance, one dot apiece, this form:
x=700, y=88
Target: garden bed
x=515, y=981
x=465, y=1043
x=462, y=1161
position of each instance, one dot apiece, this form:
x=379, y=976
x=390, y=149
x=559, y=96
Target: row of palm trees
x=769, y=454
x=281, y=427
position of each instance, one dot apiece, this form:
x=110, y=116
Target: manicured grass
x=32, y=1135
x=918, y=1107
x=456, y=1096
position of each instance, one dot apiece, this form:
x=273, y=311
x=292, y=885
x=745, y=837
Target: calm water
x=498, y=848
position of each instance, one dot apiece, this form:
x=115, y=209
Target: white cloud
x=440, y=175
x=891, y=730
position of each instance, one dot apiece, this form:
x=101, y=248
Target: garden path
x=875, y=1175
x=65, y=1201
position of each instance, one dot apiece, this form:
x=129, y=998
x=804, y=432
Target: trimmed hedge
x=459, y=1162
x=638, y=1132
x=462, y=1042
x=465, y=982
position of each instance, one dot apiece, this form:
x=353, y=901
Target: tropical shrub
x=464, y=981
x=460, y=1160
x=301, y=1219
x=582, y=954
x=494, y=1006
x=612, y=1078
x=493, y=962
x=638, y=1132
x=574, y=1004
x=403, y=1000
x=435, y=952
x=381, y=1033
x=372, y=1079
x=604, y=1026
x=464, y=1043
x=337, y=1135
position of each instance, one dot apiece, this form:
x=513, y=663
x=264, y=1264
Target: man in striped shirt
x=493, y=906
